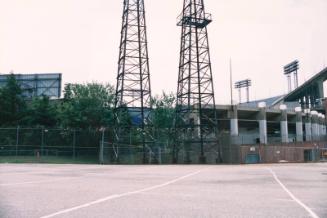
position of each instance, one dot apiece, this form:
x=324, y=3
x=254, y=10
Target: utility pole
x=231, y=81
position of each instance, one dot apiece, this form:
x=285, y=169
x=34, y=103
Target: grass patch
x=49, y=160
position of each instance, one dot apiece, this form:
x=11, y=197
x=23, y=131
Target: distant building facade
x=36, y=85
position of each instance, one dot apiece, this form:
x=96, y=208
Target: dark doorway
x=307, y=155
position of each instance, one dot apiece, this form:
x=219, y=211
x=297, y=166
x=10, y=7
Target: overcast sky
x=80, y=39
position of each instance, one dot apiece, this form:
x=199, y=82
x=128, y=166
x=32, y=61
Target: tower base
x=202, y=159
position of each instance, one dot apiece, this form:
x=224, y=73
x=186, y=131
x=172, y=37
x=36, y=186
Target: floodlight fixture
x=243, y=84
x=288, y=70
x=291, y=67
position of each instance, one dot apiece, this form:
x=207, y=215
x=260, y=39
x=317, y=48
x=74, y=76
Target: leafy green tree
x=41, y=112
x=87, y=106
x=163, y=113
x=162, y=117
x=12, y=104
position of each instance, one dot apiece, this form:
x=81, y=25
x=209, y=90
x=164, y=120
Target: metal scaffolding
x=196, y=119
x=133, y=90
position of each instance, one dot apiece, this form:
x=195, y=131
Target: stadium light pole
x=288, y=70
x=244, y=84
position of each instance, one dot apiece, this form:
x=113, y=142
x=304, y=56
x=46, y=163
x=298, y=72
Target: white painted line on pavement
x=115, y=196
x=312, y=214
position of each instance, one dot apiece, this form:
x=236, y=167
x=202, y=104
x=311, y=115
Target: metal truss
x=196, y=119
x=133, y=90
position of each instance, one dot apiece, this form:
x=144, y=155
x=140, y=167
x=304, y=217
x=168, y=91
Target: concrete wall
x=292, y=152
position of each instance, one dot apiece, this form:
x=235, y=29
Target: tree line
x=83, y=106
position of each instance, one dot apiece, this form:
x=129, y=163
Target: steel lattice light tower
x=133, y=90
x=196, y=119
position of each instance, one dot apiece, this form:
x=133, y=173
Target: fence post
x=101, y=157
x=130, y=137
x=17, y=140
x=230, y=149
x=42, y=140
x=159, y=154
x=74, y=144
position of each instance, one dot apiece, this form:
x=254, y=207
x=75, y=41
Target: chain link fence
x=45, y=144
x=96, y=146
x=80, y=146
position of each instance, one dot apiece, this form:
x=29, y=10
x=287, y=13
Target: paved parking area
x=284, y=190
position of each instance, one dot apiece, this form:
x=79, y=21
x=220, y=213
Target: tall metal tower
x=133, y=90
x=196, y=118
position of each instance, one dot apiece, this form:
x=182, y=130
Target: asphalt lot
x=285, y=190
